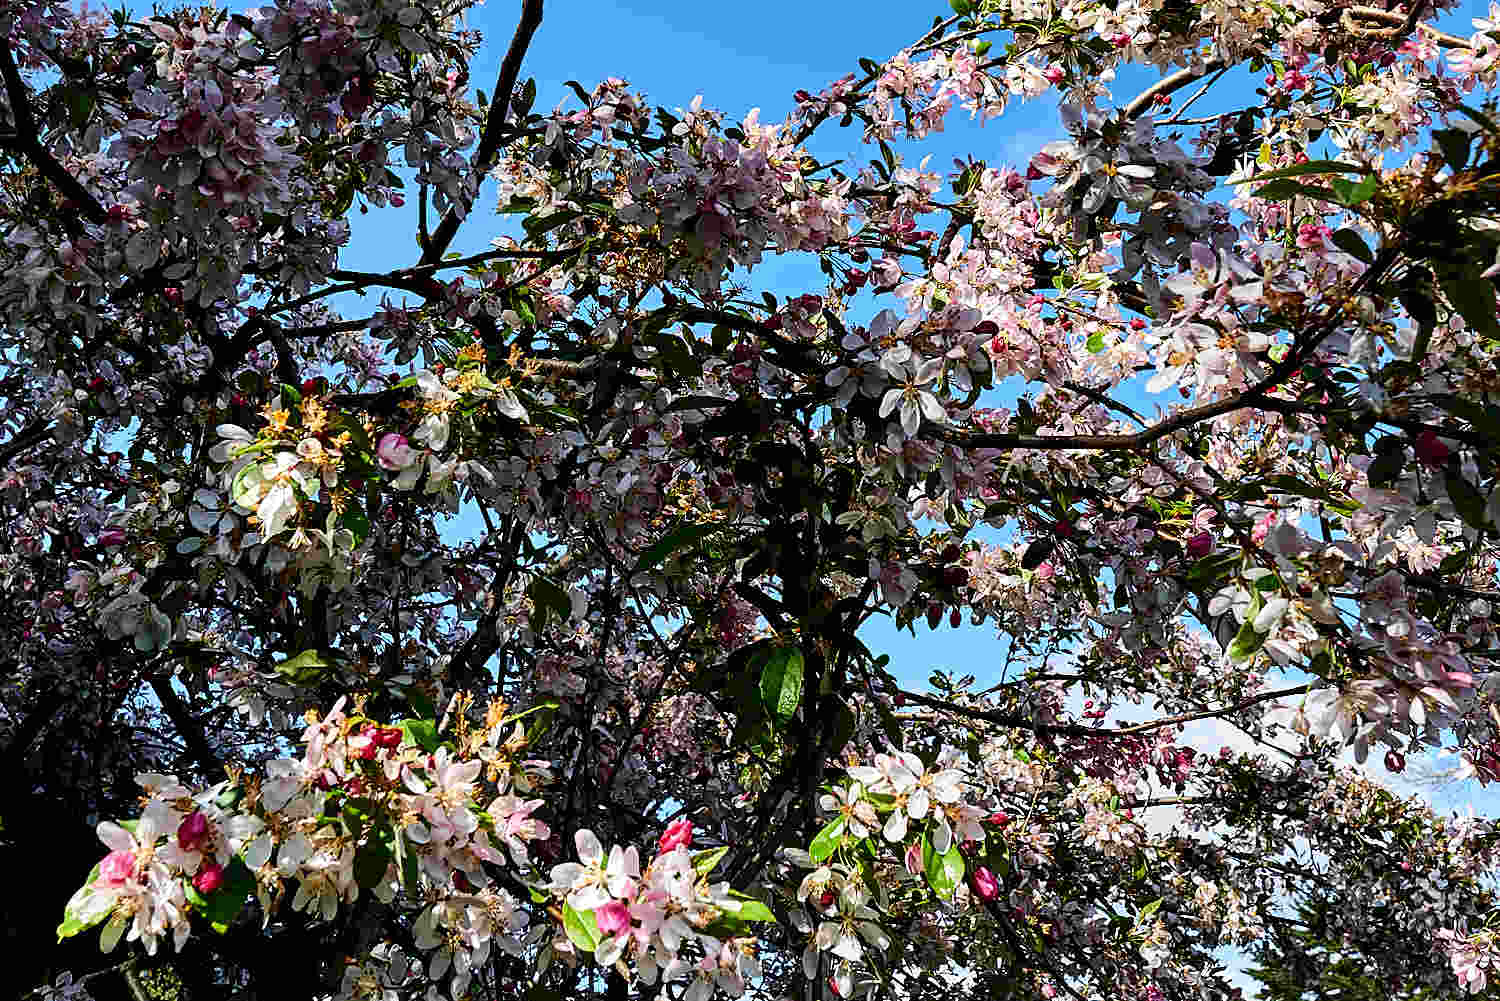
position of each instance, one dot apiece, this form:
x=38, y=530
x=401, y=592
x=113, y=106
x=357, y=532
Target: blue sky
x=741, y=57
x=756, y=56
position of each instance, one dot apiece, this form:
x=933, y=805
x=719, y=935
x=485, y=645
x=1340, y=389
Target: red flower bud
x=192, y=832
x=1431, y=451
x=984, y=884
x=209, y=878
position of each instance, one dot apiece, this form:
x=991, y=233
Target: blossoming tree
x=503, y=639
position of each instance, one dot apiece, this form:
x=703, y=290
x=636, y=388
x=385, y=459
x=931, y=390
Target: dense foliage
x=503, y=638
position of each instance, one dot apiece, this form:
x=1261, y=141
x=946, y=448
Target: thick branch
x=489, y=140
x=27, y=141
x=189, y=728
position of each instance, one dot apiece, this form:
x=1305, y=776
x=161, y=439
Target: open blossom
x=395, y=453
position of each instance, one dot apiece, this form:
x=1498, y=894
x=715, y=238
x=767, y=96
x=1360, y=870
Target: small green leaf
x=582, y=928
x=1455, y=146
x=1386, y=467
x=1095, y=343
x=1467, y=500
x=1149, y=911
x=224, y=904
x=705, y=861
x=549, y=599
x=1284, y=188
x=678, y=538
x=1247, y=641
x=71, y=923
x=1352, y=193
x=1311, y=167
x=356, y=521
x=371, y=860
x=1474, y=298
x=421, y=733
x=781, y=682
x=1351, y=243
x=307, y=668
x=751, y=909
x=944, y=872
x=828, y=840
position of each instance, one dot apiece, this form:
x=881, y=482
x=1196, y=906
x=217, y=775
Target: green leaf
x=1247, y=641
x=1149, y=911
x=751, y=909
x=705, y=861
x=678, y=538
x=1419, y=307
x=1287, y=188
x=371, y=860
x=828, y=840
x=421, y=703
x=1467, y=500
x=1387, y=467
x=781, y=682
x=944, y=872
x=1095, y=343
x=420, y=732
x=307, y=668
x=71, y=923
x=1474, y=298
x=224, y=904
x=582, y=929
x=549, y=598
x=1455, y=146
x=1352, y=193
x=1311, y=167
x=356, y=521
x=1351, y=243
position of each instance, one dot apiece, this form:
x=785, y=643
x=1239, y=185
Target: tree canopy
x=498, y=632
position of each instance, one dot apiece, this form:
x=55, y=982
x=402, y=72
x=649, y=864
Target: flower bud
x=192, y=832
x=984, y=884
x=1200, y=545
x=210, y=877
x=679, y=834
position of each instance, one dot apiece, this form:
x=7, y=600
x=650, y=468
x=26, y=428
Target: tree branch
x=489, y=139
x=27, y=141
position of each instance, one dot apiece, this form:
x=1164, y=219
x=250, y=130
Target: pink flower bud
x=209, y=878
x=116, y=868
x=1430, y=450
x=192, y=832
x=1200, y=545
x=613, y=917
x=986, y=887
x=914, y=859
x=679, y=834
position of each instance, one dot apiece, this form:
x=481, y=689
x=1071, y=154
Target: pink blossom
x=116, y=868
x=613, y=917
x=679, y=834
x=395, y=453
